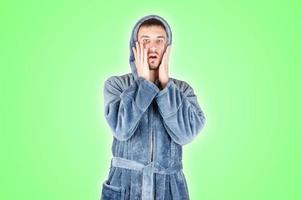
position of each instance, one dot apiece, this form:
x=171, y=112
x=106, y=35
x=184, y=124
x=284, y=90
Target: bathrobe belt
x=148, y=171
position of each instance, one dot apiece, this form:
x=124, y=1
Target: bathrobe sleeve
x=181, y=113
x=125, y=107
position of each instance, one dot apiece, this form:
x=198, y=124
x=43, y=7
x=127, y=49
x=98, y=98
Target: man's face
x=154, y=39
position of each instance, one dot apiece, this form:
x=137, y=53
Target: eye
x=159, y=41
x=145, y=41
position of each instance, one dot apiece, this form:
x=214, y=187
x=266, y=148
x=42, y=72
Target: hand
x=141, y=61
x=163, y=75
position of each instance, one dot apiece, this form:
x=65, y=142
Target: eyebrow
x=149, y=37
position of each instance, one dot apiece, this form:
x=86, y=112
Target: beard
x=154, y=65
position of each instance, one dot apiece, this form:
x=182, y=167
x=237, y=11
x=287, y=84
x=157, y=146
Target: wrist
x=163, y=85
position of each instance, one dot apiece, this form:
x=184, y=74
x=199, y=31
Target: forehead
x=151, y=31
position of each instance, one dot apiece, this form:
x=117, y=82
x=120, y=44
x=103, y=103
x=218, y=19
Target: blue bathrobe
x=149, y=128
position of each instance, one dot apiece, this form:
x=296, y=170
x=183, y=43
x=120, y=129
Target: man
x=151, y=116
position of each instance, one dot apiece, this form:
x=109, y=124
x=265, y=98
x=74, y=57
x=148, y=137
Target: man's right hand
x=141, y=61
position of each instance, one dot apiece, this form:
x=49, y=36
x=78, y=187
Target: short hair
x=153, y=22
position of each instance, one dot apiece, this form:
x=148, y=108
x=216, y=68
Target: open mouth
x=153, y=57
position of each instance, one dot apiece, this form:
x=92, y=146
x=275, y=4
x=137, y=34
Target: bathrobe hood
x=149, y=126
x=133, y=38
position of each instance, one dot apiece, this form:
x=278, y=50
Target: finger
x=134, y=52
x=168, y=55
x=137, y=56
x=164, y=58
x=163, y=65
x=137, y=51
x=141, y=51
x=168, y=51
x=145, y=56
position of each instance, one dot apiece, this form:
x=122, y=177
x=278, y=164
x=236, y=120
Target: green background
x=243, y=59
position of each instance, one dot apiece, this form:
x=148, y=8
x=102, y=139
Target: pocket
x=110, y=192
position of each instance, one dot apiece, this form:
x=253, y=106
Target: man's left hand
x=163, y=75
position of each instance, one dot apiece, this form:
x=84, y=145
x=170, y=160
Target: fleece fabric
x=149, y=127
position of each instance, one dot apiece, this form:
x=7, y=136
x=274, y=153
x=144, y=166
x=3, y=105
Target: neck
x=153, y=75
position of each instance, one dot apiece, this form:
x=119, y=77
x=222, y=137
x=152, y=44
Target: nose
x=152, y=49
x=152, y=46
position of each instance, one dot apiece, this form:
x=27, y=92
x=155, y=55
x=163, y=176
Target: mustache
x=153, y=55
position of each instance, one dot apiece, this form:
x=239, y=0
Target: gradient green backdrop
x=243, y=59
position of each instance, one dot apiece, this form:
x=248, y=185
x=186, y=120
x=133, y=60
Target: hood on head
x=133, y=38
